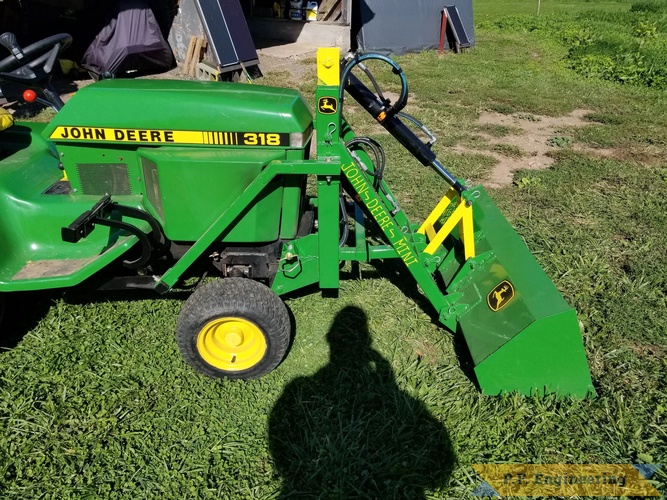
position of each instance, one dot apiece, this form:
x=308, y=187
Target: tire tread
x=240, y=297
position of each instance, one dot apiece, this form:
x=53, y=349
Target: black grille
x=104, y=178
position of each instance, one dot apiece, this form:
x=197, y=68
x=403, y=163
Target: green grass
x=96, y=402
x=624, y=44
x=508, y=150
x=560, y=141
x=485, y=10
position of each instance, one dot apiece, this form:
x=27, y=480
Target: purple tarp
x=131, y=43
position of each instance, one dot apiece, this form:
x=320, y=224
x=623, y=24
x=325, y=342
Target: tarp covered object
x=130, y=44
x=400, y=26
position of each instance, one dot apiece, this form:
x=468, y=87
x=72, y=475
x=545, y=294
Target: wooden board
x=188, y=56
x=330, y=10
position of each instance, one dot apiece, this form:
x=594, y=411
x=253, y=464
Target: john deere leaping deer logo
x=327, y=105
x=500, y=296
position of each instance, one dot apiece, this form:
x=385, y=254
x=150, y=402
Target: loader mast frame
x=474, y=270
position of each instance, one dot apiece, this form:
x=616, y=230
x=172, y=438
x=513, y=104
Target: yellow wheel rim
x=231, y=344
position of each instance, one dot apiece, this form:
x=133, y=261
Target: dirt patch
x=649, y=350
x=290, y=58
x=529, y=148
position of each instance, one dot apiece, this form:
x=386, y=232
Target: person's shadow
x=350, y=432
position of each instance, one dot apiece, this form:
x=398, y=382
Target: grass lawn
x=96, y=401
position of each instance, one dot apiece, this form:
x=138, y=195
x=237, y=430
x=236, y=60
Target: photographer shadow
x=349, y=431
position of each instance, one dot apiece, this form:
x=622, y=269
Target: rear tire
x=233, y=328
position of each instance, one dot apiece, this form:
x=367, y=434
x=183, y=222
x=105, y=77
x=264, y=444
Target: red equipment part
x=443, y=28
x=29, y=96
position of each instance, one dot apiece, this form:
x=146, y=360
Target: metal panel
x=419, y=22
x=455, y=22
x=152, y=181
x=227, y=32
x=186, y=24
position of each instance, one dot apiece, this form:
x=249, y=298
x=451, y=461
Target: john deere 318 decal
x=170, y=136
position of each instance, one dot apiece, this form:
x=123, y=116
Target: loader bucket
x=521, y=334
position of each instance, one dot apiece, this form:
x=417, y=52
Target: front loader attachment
x=521, y=334
x=467, y=259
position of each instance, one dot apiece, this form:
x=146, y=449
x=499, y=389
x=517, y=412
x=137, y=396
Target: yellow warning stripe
x=98, y=134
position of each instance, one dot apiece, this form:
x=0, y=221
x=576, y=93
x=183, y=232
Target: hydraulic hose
x=378, y=152
x=346, y=227
x=401, y=132
x=378, y=172
x=358, y=60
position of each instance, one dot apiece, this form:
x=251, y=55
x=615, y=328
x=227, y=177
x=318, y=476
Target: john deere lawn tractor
x=135, y=183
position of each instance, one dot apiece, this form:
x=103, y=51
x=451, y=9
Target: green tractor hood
x=126, y=111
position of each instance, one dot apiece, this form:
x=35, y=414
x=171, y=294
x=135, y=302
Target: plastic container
x=311, y=10
x=296, y=10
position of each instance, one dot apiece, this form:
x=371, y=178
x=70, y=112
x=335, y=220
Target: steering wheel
x=33, y=65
